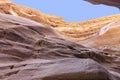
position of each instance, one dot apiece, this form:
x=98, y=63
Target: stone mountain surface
x=107, y=37
x=36, y=50
x=115, y=3
x=74, y=31
x=31, y=51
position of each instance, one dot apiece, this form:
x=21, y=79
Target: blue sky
x=70, y=10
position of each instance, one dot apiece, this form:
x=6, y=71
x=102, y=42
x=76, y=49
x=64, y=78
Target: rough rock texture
x=17, y=10
x=87, y=29
x=60, y=69
x=108, y=40
x=30, y=51
x=74, y=31
x=107, y=37
x=5, y=1
x=19, y=31
x=115, y=3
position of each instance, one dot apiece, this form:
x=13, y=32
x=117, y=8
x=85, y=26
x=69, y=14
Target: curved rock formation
x=115, y=3
x=31, y=51
x=87, y=29
x=34, y=51
x=17, y=10
x=106, y=38
x=74, y=31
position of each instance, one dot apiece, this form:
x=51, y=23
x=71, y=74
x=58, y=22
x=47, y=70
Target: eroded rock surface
x=115, y=3
x=74, y=31
x=107, y=37
x=59, y=69
x=30, y=51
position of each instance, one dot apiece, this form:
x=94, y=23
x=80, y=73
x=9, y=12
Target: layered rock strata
x=37, y=51
x=31, y=51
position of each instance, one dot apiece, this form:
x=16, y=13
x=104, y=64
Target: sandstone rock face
x=115, y=3
x=87, y=29
x=107, y=37
x=5, y=1
x=34, y=51
x=60, y=69
x=74, y=31
x=31, y=51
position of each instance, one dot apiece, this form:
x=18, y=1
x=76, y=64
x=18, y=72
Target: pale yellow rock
x=5, y=1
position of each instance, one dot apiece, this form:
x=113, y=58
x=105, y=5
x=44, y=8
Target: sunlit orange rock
x=34, y=51
x=74, y=31
x=106, y=38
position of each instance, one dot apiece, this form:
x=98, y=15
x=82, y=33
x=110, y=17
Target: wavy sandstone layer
x=106, y=38
x=71, y=30
x=32, y=51
x=74, y=31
